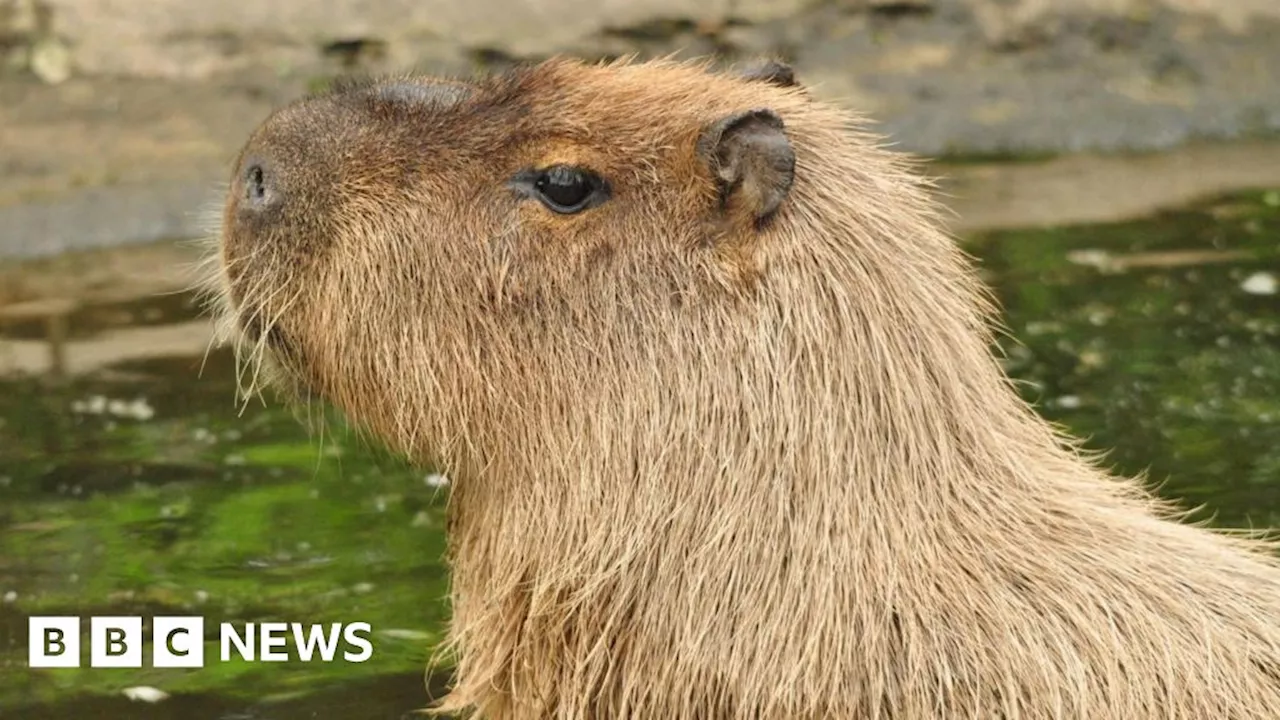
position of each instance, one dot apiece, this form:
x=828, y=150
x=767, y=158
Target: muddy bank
x=121, y=118
x=944, y=76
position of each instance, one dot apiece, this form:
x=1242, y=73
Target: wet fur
x=707, y=471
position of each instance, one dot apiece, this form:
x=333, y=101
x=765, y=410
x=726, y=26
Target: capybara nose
x=259, y=189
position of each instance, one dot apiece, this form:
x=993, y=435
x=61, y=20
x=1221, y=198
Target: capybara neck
x=718, y=397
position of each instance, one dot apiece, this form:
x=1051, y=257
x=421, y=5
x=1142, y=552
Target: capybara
x=717, y=394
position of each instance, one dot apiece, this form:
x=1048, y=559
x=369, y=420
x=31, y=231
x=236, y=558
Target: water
x=153, y=495
x=1171, y=361
x=146, y=491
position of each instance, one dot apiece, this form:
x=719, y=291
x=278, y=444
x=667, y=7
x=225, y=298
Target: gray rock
x=759, y=11
x=181, y=38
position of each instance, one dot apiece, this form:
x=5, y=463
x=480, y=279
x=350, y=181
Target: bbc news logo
x=178, y=642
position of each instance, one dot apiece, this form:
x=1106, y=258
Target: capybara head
x=521, y=254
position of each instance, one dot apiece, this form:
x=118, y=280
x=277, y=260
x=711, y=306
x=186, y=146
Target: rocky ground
x=119, y=116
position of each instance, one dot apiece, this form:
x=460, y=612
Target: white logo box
x=115, y=642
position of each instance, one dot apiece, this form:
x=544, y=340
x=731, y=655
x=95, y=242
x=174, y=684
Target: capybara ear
x=752, y=160
x=774, y=72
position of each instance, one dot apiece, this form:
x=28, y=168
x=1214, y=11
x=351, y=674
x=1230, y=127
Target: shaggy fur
x=708, y=467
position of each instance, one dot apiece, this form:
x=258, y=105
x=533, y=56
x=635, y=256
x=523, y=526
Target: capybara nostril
x=258, y=189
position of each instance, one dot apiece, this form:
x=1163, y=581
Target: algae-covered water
x=145, y=490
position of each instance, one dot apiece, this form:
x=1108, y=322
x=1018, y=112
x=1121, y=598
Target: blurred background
x=1113, y=164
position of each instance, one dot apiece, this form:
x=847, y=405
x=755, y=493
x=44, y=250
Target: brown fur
x=712, y=467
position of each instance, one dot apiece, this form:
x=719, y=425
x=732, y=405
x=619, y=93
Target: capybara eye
x=566, y=189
